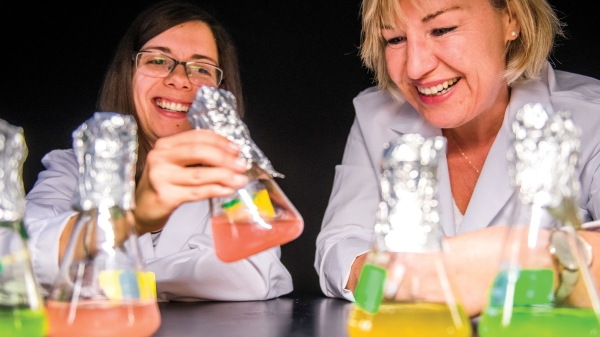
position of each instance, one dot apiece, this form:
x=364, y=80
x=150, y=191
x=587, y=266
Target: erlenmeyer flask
x=102, y=288
x=544, y=286
x=258, y=216
x=404, y=289
x=21, y=306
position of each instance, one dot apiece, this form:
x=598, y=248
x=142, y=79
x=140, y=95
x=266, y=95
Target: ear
x=511, y=23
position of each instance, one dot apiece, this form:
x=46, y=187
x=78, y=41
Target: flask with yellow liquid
x=544, y=286
x=404, y=288
x=258, y=216
x=102, y=288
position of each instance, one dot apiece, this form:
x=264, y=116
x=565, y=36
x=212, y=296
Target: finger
x=194, y=154
x=198, y=176
x=198, y=136
x=194, y=193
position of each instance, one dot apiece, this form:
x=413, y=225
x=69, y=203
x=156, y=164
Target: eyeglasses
x=155, y=64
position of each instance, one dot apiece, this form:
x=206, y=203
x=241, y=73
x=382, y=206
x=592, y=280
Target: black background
x=300, y=70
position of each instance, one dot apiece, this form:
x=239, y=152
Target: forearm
x=473, y=262
x=65, y=238
x=580, y=295
x=355, y=272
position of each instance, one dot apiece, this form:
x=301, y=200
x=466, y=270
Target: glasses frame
x=136, y=57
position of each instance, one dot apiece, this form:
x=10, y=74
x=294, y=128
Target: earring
x=513, y=34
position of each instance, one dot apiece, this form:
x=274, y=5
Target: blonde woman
x=461, y=69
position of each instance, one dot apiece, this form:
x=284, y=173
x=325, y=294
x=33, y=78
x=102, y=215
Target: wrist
x=565, y=247
x=143, y=226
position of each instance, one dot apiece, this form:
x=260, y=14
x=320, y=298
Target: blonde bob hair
x=525, y=56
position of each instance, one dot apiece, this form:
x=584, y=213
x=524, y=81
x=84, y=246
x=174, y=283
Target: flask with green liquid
x=544, y=286
x=404, y=289
x=21, y=306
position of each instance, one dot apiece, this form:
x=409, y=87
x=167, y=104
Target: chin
x=173, y=132
x=442, y=121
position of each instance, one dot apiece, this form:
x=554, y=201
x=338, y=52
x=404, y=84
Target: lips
x=172, y=106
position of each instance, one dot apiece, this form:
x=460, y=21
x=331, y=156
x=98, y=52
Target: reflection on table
x=292, y=316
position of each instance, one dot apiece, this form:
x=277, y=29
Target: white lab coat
x=183, y=259
x=347, y=227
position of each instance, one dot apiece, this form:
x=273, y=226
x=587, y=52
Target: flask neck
x=256, y=173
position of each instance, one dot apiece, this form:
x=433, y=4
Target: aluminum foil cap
x=13, y=152
x=215, y=109
x=544, y=156
x=408, y=219
x=106, y=150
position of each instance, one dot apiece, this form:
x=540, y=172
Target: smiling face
x=162, y=103
x=447, y=57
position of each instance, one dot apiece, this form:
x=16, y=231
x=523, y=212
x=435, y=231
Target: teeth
x=177, y=107
x=439, y=89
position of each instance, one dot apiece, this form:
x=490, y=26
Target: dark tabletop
x=294, y=316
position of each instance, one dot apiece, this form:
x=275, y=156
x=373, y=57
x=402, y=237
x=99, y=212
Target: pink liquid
x=103, y=319
x=240, y=240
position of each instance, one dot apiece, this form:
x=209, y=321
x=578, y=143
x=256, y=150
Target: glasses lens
x=154, y=64
x=200, y=73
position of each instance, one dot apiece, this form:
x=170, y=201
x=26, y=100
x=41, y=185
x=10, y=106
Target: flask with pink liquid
x=102, y=288
x=258, y=216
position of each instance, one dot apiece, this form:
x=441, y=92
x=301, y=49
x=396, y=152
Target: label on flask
x=260, y=200
x=369, y=290
x=128, y=284
x=530, y=287
x=13, y=279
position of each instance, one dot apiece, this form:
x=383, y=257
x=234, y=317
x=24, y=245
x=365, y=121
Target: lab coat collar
x=387, y=112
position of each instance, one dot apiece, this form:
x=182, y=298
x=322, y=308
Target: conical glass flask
x=258, y=216
x=21, y=306
x=102, y=288
x=404, y=289
x=544, y=286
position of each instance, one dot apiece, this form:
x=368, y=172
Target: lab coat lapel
x=493, y=189
x=182, y=224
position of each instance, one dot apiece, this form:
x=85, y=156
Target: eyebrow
x=438, y=13
x=194, y=57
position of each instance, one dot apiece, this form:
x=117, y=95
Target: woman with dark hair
x=178, y=168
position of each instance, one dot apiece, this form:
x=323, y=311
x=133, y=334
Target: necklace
x=463, y=154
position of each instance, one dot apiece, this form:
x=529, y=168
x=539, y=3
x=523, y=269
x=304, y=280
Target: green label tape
x=369, y=290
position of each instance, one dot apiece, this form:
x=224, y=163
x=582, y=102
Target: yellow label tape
x=260, y=199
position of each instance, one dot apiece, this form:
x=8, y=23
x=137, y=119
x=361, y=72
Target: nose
x=420, y=58
x=178, y=78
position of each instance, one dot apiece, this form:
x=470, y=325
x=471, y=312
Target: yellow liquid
x=409, y=319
